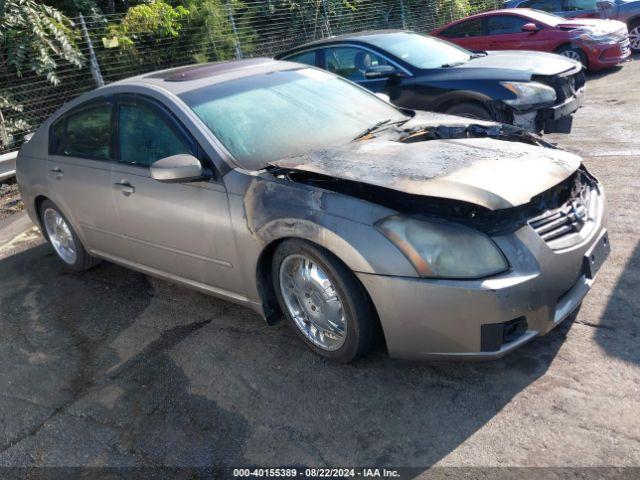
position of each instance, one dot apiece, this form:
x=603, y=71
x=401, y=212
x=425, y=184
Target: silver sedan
x=299, y=194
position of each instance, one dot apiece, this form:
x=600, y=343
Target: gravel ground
x=114, y=368
x=10, y=202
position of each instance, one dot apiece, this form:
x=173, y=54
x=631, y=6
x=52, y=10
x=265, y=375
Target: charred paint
x=487, y=164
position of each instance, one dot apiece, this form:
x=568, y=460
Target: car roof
x=522, y=12
x=192, y=77
x=363, y=37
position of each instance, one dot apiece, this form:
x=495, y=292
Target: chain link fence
x=231, y=30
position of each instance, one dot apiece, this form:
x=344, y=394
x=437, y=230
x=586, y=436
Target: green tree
x=33, y=38
x=148, y=37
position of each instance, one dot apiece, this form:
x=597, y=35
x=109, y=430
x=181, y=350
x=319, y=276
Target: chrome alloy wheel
x=313, y=302
x=634, y=38
x=572, y=54
x=60, y=236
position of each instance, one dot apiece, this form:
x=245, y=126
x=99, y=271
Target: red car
x=596, y=43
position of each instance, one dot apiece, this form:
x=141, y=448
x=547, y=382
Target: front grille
x=571, y=217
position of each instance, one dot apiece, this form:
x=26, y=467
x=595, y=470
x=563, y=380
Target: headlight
x=596, y=37
x=443, y=250
x=529, y=93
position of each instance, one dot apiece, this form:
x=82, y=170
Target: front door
x=504, y=32
x=179, y=229
x=352, y=63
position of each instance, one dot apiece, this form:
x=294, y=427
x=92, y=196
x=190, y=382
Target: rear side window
x=145, y=136
x=471, y=28
x=505, y=24
x=85, y=133
x=577, y=5
x=544, y=5
x=308, y=58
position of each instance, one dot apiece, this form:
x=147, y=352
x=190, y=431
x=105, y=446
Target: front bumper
x=559, y=118
x=424, y=318
x=604, y=56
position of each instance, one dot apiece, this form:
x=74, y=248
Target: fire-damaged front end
x=500, y=234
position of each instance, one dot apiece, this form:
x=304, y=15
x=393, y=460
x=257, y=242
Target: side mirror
x=176, y=169
x=380, y=71
x=530, y=27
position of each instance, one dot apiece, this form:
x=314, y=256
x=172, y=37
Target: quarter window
x=545, y=5
x=505, y=24
x=85, y=133
x=471, y=28
x=350, y=62
x=144, y=135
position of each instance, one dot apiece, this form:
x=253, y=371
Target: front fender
x=275, y=209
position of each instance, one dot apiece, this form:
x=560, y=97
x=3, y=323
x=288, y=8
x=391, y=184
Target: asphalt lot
x=111, y=367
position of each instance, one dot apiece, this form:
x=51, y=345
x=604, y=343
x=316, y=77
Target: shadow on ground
x=110, y=368
x=622, y=314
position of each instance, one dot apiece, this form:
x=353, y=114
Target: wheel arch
x=448, y=100
x=633, y=21
x=37, y=203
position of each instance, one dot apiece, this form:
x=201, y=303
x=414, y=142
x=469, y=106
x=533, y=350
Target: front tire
x=574, y=54
x=63, y=238
x=634, y=36
x=323, y=301
x=470, y=110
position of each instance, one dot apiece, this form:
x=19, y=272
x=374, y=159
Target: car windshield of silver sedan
x=421, y=51
x=263, y=118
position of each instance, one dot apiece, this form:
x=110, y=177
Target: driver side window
x=145, y=136
x=351, y=62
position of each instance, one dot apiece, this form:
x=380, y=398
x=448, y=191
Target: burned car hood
x=446, y=157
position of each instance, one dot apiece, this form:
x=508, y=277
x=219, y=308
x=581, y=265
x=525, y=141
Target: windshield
x=263, y=118
x=421, y=51
x=544, y=17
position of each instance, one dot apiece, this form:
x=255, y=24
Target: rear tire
x=574, y=53
x=323, y=301
x=470, y=110
x=63, y=238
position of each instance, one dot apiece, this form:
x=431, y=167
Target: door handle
x=57, y=172
x=125, y=187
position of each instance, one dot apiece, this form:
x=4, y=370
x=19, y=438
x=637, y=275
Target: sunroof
x=195, y=72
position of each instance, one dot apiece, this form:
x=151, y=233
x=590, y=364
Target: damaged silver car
x=292, y=191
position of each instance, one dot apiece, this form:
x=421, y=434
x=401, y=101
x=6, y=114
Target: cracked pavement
x=113, y=368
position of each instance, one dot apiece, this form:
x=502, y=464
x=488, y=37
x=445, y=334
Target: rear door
x=180, y=229
x=468, y=34
x=79, y=173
